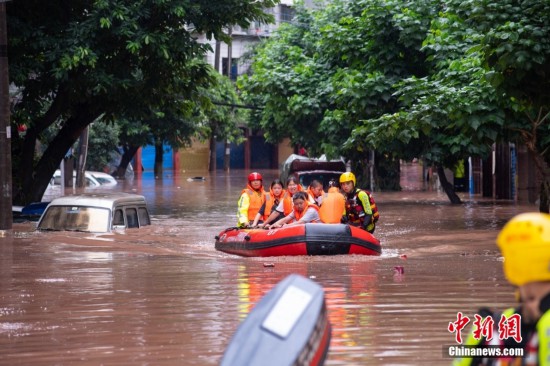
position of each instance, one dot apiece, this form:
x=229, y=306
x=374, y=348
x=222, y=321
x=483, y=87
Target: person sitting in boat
x=251, y=200
x=360, y=208
x=333, y=206
x=315, y=192
x=302, y=212
x=285, y=205
x=273, y=198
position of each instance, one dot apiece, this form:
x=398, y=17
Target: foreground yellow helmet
x=525, y=244
x=348, y=177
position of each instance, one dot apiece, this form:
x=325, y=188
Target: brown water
x=162, y=295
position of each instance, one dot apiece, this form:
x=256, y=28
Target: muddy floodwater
x=162, y=295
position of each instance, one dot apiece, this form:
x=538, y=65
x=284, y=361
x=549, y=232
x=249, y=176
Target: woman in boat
x=251, y=200
x=273, y=198
x=285, y=205
x=302, y=212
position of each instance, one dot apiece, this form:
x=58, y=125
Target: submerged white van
x=92, y=179
x=95, y=213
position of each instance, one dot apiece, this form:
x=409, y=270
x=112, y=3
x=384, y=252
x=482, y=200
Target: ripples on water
x=163, y=296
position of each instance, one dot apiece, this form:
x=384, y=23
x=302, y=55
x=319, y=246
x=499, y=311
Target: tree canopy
x=432, y=79
x=73, y=62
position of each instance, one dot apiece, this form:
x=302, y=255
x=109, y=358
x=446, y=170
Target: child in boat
x=525, y=245
x=273, y=198
x=251, y=200
x=302, y=212
x=315, y=192
x=285, y=205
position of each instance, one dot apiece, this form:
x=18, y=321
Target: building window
x=287, y=13
x=234, y=68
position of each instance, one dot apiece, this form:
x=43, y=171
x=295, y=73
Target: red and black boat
x=302, y=239
x=289, y=326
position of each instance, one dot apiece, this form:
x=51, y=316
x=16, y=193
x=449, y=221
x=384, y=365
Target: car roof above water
x=105, y=200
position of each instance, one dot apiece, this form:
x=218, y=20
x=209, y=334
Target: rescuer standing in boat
x=361, y=210
x=252, y=199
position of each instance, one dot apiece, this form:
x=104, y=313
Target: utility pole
x=226, y=158
x=6, y=219
x=212, y=160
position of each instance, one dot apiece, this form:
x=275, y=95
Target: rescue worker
x=251, y=200
x=334, y=205
x=302, y=212
x=361, y=210
x=525, y=245
x=273, y=198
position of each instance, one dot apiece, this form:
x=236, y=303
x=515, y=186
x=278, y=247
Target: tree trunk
x=82, y=157
x=544, y=205
x=158, y=159
x=128, y=154
x=33, y=190
x=447, y=187
x=212, y=162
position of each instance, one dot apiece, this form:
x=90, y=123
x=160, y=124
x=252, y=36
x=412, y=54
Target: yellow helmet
x=525, y=244
x=348, y=177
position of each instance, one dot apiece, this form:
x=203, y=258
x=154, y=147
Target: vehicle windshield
x=102, y=180
x=75, y=218
x=324, y=177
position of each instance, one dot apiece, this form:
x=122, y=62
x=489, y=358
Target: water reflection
x=162, y=295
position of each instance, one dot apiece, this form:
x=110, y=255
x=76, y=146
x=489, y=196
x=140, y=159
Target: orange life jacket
x=288, y=206
x=257, y=199
x=311, y=196
x=299, y=215
x=333, y=206
x=272, y=201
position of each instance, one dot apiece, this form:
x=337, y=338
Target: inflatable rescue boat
x=302, y=239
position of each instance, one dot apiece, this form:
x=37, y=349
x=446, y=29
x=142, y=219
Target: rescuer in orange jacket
x=251, y=200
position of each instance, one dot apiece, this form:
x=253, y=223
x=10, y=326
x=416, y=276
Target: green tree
x=109, y=58
x=319, y=77
x=491, y=63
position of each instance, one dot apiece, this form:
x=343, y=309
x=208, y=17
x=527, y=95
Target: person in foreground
x=361, y=210
x=251, y=200
x=302, y=212
x=525, y=245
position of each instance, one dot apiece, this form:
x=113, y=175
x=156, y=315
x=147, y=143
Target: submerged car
x=95, y=213
x=307, y=169
x=103, y=178
x=91, y=179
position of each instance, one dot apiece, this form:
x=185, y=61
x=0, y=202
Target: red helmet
x=254, y=176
